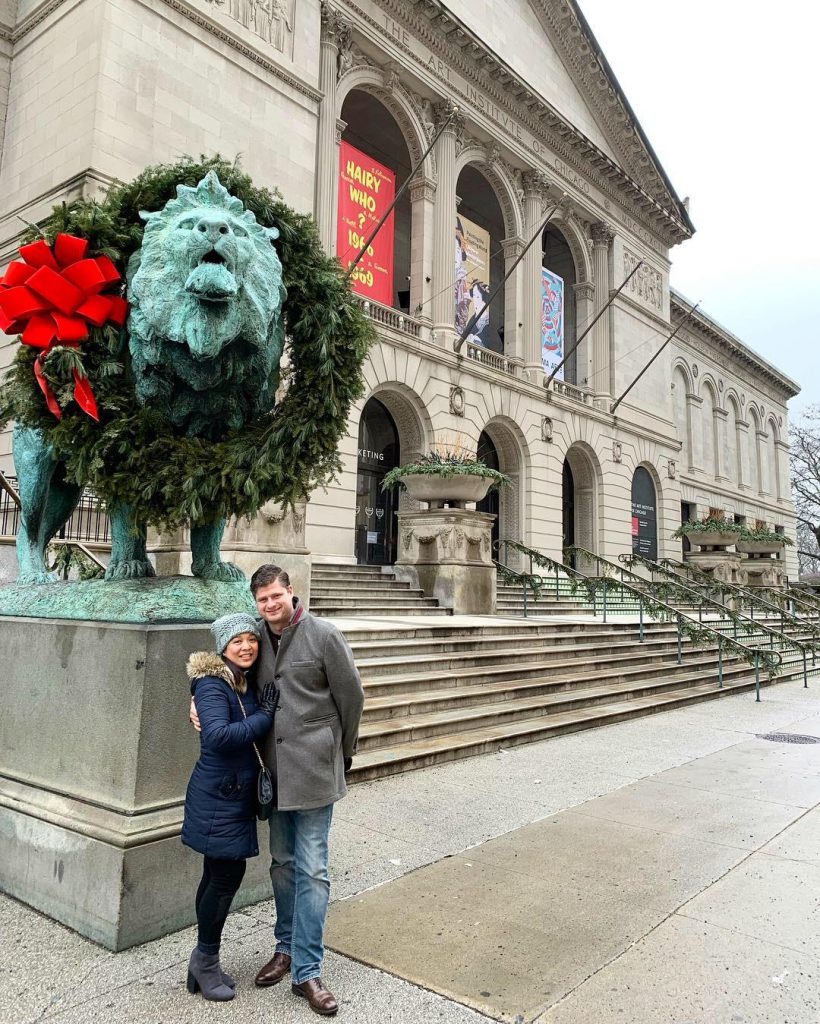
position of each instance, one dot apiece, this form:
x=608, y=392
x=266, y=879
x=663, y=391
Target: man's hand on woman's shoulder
x=193, y=717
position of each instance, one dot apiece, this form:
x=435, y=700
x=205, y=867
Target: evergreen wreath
x=133, y=456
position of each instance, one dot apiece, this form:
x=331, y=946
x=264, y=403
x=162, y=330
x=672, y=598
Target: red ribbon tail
x=45, y=387
x=84, y=396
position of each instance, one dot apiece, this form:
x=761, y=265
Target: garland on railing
x=520, y=579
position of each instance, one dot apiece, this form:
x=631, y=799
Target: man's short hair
x=267, y=574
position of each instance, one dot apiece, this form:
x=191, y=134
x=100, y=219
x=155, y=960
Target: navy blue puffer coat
x=220, y=805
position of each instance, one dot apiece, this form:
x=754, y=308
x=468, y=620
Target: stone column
x=512, y=299
x=422, y=199
x=444, y=227
x=763, y=475
x=335, y=34
x=693, y=404
x=719, y=434
x=743, y=453
x=535, y=194
x=584, y=312
x=603, y=370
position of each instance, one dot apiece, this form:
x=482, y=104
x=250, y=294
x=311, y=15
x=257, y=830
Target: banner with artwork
x=552, y=321
x=366, y=190
x=472, y=279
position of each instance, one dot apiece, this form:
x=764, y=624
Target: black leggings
x=220, y=882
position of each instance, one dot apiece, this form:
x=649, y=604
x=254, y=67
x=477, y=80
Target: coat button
x=279, y=741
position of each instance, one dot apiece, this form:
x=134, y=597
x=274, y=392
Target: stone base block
x=725, y=566
x=447, y=553
x=95, y=755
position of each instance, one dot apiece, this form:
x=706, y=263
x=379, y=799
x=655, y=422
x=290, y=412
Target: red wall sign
x=366, y=190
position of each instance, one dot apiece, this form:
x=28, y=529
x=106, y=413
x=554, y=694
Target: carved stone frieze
x=335, y=27
x=647, y=284
x=617, y=451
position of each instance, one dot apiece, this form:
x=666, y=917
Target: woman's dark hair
x=267, y=574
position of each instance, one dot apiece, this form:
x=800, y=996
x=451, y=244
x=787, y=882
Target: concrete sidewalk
x=663, y=870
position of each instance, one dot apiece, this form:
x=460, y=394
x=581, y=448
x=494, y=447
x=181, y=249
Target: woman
x=220, y=805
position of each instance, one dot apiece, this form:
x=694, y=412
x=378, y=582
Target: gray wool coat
x=320, y=705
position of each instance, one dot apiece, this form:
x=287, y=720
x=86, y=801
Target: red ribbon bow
x=51, y=296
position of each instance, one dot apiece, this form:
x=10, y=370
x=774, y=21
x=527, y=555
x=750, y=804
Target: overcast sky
x=727, y=92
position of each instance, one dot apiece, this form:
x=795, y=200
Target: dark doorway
x=568, y=504
x=376, y=522
x=687, y=514
x=488, y=454
x=644, y=515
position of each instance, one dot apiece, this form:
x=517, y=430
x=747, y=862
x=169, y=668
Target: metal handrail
x=531, y=580
x=734, y=589
x=701, y=599
x=753, y=655
x=7, y=486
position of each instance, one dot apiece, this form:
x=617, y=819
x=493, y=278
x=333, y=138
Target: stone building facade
x=93, y=90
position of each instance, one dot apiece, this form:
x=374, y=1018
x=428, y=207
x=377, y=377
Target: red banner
x=366, y=190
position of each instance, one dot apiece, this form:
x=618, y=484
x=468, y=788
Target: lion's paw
x=221, y=572
x=135, y=569
x=37, y=578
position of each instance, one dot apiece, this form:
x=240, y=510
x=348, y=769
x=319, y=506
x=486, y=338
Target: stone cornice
x=726, y=342
x=453, y=43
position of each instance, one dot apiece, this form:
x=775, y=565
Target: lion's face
x=207, y=274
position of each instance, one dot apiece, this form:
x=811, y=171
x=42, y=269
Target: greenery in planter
x=761, y=534
x=445, y=464
x=714, y=521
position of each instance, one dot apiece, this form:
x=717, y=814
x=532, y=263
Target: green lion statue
x=205, y=335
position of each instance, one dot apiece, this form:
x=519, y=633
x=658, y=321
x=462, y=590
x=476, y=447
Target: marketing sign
x=366, y=190
x=472, y=277
x=552, y=321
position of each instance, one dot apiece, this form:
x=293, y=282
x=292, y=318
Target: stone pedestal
x=725, y=566
x=448, y=554
x=273, y=535
x=765, y=571
x=95, y=755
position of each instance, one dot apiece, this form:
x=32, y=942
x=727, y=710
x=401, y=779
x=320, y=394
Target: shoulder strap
x=245, y=716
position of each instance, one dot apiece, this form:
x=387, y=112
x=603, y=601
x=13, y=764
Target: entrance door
x=492, y=502
x=568, y=508
x=376, y=522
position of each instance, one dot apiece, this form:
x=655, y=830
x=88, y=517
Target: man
x=308, y=751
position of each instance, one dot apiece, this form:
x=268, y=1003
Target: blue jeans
x=301, y=886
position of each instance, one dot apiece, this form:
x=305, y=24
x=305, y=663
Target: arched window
x=479, y=260
x=708, y=425
x=558, y=260
x=680, y=403
x=644, y=515
x=755, y=481
x=372, y=132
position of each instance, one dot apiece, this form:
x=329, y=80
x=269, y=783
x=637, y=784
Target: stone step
x=489, y=655
x=378, y=610
x=402, y=757
x=460, y=717
x=405, y=636
x=334, y=578
x=344, y=600
x=619, y=668
x=355, y=590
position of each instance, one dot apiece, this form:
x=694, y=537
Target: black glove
x=348, y=764
x=269, y=699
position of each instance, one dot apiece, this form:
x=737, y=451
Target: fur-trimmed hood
x=208, y=663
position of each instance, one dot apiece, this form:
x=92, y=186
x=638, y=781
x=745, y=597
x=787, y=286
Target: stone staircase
x=351, y=590
x=443, y=691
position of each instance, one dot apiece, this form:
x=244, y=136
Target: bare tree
x=805, y=463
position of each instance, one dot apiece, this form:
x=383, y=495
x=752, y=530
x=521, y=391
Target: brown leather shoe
x=274, y=970
x=320, y=999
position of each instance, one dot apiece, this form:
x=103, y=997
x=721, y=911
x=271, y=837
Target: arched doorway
x=376, y=522
x=580, y=503
x=488, y=454
x=644, y=515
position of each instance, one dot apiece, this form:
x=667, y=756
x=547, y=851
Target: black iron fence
x=88, y=523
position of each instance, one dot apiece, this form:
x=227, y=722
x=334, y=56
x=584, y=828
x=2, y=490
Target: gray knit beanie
x=229, y=626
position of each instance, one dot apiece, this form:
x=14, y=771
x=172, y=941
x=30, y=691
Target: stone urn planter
x=455, y=490
x=713, y=538
x=760, y=547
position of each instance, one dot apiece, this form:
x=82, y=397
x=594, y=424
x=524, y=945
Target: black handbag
x=264, y=782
